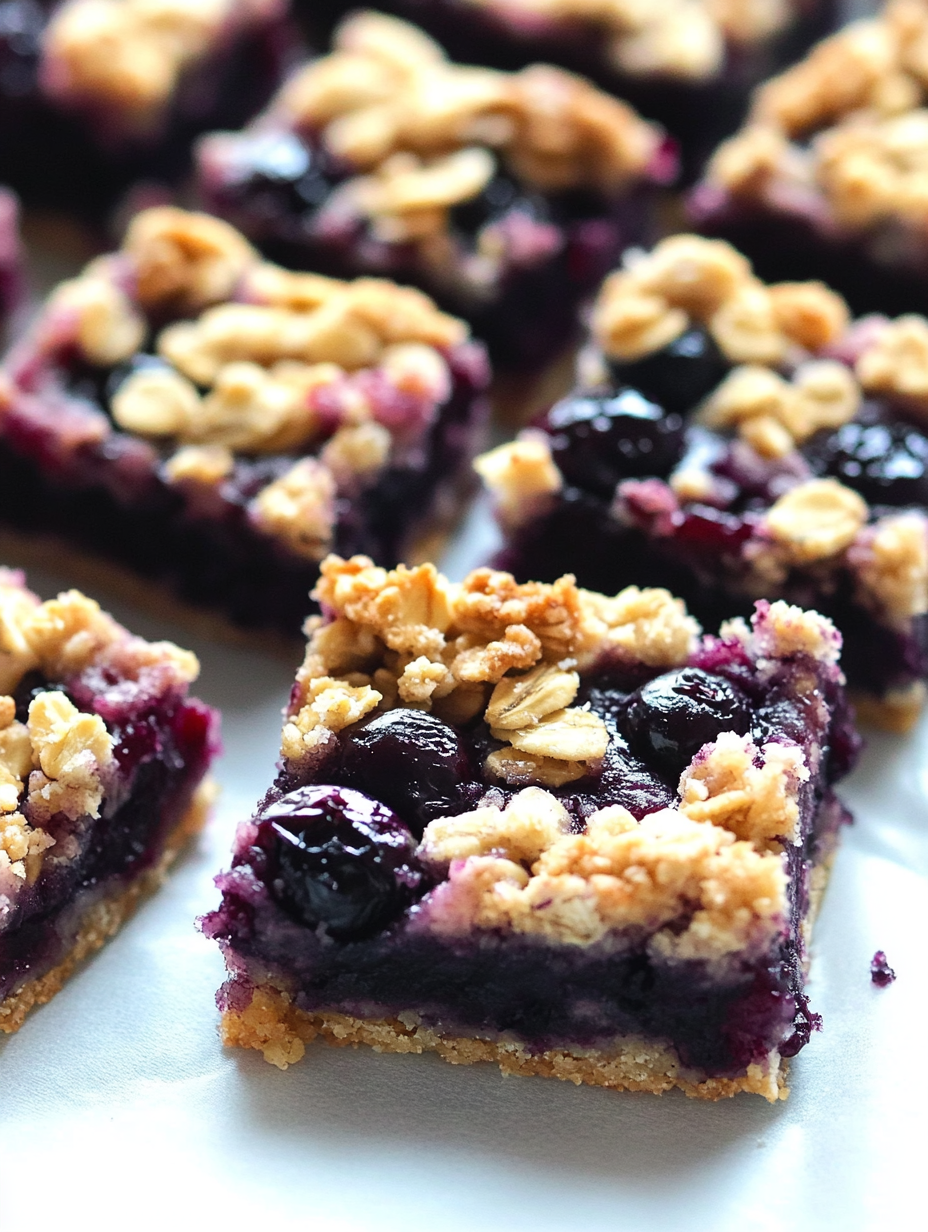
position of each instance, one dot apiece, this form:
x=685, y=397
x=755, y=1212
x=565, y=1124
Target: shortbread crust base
x=106, y=916
x=278, y=1029
x=897, y=712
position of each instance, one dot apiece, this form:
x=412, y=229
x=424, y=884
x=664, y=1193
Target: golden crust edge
x=895, y=712
x=277, y=1028
x=104, y=918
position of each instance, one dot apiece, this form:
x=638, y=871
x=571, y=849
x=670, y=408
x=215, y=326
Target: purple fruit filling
x=330, y=898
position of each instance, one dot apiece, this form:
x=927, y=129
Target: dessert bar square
x=688, y=65
x=98, y=94
x=505, y=196
x=826, y=178
x=102, y=764
x=216, y=423
x=734, y=440
x=541, y=826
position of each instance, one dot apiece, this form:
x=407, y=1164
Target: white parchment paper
x=119, y=1108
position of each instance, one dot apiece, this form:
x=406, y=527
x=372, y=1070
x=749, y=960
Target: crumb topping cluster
x=408, y=637
x=261, y=361
x=682, y=38
x=861, y=94
x=130, y=54
x=515, y=653
x=427, y=133
x=59, y=760
x=657, y=295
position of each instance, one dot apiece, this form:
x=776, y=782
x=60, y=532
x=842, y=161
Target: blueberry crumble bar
x=688, y=64
x=827, y=178
x=506, y=196
x=96, y=94
x=217, y=423
x=734, y=440
x=102, y=764
x=541, y=826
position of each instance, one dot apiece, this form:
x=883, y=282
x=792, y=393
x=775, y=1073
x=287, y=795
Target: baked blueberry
x=409, y=759
x=886, y=461
x=670, y=718
x=598, y=440
x=342, y=859
x=679, y=375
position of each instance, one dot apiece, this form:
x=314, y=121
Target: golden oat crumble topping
x=425, y=133
x=891, y=562
x=773, y=413
x=59, y=760
x=784, y=630
x=657, y=295
x=816, y=520
x=618, y=874
x=683, y=38
x=862, y=93
x=129, y=54
x=299, y=508
x=484, y=646
x=519, y=474
x=896, y=362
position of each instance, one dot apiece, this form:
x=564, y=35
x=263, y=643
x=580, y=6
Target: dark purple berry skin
x=276, y=173
x=598, y=440
x=500, y=197
x=881, y=973
x=887, y=463
x=338, y=858
x=672, y=717
x=412, y=761
x=678, y=376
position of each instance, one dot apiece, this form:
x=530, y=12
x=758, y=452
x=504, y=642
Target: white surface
x=118, y=1107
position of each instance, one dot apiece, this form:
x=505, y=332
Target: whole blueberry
x=887, y=463
x=598, y=440
x=410, y=760
x=679, y=375
x=670, y=718
x=501, y=196
x=339, y=858
x=276, y=173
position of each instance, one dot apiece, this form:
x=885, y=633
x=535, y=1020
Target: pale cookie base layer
x=105, y=917
x=896, y=712
x=278, y=1029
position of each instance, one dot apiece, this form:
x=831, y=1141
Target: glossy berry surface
x=276, y=174
x=672, y=717
x=887, y=463
x=681, y=374
x=340, y=859
x=597, y=441
x=498, y=198
x=410, y=760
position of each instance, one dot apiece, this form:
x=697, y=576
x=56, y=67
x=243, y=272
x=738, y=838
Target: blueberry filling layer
x=162, y=746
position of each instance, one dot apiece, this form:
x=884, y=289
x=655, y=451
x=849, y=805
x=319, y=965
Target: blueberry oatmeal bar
x=217, y=423
x=505, y=196
x=827, y=177
x=734, y=440
x=96, y=94
x=544, y=827
x=102, y=764
x=688, y=64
